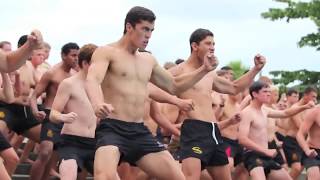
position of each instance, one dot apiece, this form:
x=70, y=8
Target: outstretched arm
x=180, y=83
x=227, y=87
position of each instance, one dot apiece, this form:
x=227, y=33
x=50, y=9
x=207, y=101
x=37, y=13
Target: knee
x=11, y=159
x=45, y=154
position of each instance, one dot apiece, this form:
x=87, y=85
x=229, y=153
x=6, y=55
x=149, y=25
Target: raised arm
x=227, y=87
x=13, y=60
x=306, y=125
x=177, y=84
x=289, y=112
x=7, y=92
x=59, y=103
x=99, y=65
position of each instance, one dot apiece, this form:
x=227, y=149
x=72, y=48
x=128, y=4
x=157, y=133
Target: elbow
x=10, y=100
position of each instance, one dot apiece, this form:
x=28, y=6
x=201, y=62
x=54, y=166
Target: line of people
x=114, y=112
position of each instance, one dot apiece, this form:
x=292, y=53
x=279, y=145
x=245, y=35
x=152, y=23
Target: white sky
x=239, y=30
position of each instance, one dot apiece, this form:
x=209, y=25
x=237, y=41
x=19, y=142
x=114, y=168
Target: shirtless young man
x=292, y=150
x=119, y=75
x=201, y=142
x=13, y=60
x=292, y=97
x=311, y=146
x=273, y=142
x=9, y=157
x=253, y=134
x=72, y=107
x=18, y=114
x=50, y=132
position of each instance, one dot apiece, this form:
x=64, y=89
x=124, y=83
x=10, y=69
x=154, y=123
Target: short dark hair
x=292, y=91
x=23, y=39
x=198, y=35
x=309, y=89
x=85, y=53
x=256, y=87
x=67, y=47
x=226, y=68
x=136, y=14
x=2, y=43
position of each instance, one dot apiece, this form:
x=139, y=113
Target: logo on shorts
x=294, y=157
x=197, y=150
x=259, y=162
x=2, y=114
x=50, y=133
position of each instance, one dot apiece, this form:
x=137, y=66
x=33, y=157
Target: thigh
x=280, y=174
x=160, y=165
x=34, y=133
x=191, y=167
x=220, y=172
x=257, y=173
x=106, y=159
x=313, y=173
x=68, y=169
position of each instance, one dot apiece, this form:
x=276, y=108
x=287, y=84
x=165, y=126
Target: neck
x=83, y=73
x=194, y=61
x=65, y=67
x=256, y=104
x=126, y=44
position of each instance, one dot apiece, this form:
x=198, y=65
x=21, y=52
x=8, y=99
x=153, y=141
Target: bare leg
x=11, y=160
x=39, y=165
x=191, y=168
x=105, y=163
x=68, y=169
x=161, y=166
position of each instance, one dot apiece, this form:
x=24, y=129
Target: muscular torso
x=125, y=84
x=27, y=83
x=79, y=103
x=200, y=94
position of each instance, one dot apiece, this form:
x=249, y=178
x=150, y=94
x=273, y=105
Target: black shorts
x=233, y=149
x=4, y=144
x=292, y=150
x=81, y=149
x=50, y=131
x=202, y=140
x=278, y=158
x=161, y=138
x=311, y=162
x=19, y=118
x=254, y=159
x=134, y=140
x=279, y=136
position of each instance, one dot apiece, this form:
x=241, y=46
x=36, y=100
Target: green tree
x=238, y=68
x=300, y=79
x=299, y=10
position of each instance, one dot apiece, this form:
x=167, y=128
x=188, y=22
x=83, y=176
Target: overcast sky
x=239, y=30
